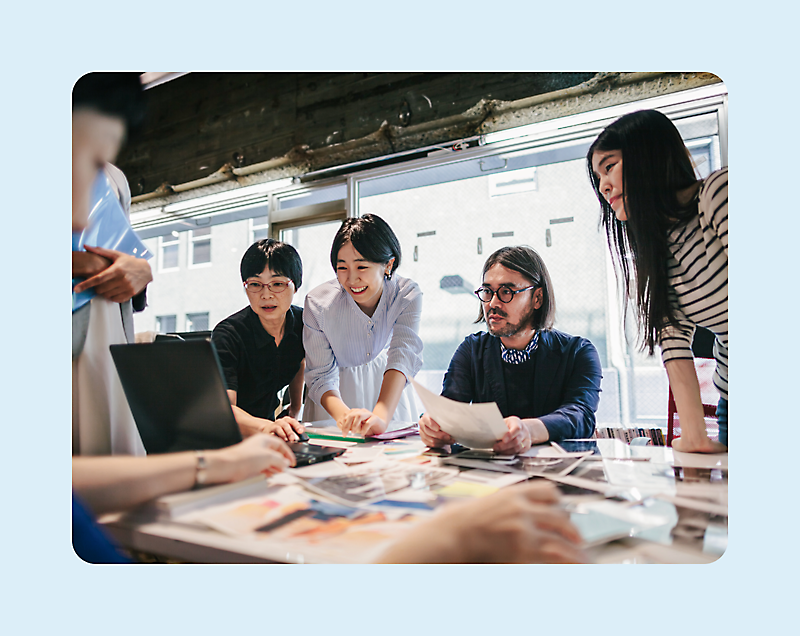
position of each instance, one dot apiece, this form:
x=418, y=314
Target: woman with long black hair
x=668, y=234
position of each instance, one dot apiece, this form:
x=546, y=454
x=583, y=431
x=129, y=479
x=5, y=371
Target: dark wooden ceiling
x=199, y=122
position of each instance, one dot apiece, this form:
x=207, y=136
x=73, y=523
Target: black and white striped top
x=698, y=276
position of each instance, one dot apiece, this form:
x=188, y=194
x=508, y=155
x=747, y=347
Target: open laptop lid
x=177, y=395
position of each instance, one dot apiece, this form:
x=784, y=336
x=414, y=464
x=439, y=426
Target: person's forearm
x=117, y=483
x=332, y=402
x=686, y=391
x=86, y=265
x=248, y=424
x=296, y=391
x=392, y=387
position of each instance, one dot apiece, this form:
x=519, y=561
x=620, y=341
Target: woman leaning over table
x=261, y=346
x=668, y=233
x=361, y=333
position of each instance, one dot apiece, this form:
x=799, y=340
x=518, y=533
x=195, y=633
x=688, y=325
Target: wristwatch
x=200, y=472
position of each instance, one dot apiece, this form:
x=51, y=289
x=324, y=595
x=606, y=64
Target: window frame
x=176, y=242
x=188, y=320
x=193, y=240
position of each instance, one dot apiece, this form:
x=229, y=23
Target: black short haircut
x=371, y=237
x=526, y=261
x=280, y=257
x=113, y=94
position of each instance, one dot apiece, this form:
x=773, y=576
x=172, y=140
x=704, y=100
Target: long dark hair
x=656, y=165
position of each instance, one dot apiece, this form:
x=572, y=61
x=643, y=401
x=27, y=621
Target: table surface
x=658, y=506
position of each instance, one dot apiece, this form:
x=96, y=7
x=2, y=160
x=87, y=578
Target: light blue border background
x=47, y=48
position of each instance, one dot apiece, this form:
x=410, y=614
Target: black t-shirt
x=253, y=366
x=519, y=388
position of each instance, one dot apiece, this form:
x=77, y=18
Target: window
x=166, y=324
x=313, y=243
x=259, y=228
x=197, y=322
x=168, y=247
x=450, y=215
x=451, y=211
x=200, y=246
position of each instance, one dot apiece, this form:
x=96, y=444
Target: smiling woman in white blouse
x=361, y=333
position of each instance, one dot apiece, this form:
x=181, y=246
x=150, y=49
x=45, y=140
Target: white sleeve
x=405, y=349
x=322, y=372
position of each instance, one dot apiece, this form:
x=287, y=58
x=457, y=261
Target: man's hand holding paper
x=472, y=425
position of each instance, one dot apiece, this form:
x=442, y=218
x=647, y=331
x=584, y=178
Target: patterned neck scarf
x=518, y=356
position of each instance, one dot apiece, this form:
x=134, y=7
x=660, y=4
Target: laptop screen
x=177, y=395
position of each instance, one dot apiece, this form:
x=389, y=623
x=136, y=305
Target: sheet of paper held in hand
x=471, y=425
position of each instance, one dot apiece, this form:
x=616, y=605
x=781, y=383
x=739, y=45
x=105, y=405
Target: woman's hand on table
x=287, y=428
x=431, y=434
x=256, y=454
x=361, y=422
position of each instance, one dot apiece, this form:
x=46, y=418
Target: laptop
x=178, y=398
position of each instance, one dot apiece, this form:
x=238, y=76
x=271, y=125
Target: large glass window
x=259, y=228
x=450, y=216
x=313, y=243
x=450, y=211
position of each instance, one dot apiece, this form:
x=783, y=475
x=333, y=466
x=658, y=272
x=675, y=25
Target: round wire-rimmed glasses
x=504, y=294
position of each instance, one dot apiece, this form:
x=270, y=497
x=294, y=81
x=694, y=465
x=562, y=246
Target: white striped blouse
x=698, y=274
x=336, y=333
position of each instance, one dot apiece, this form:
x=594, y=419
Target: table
x=662, y=506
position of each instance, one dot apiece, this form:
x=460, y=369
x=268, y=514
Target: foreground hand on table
x=431, y=434
x=361, y=422
x=120, y=281
x=519, y=524
x=257, y=454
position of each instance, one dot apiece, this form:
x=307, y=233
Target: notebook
x=178, y=398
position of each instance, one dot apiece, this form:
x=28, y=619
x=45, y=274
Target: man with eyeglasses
x=545, y=382
x=261, y=346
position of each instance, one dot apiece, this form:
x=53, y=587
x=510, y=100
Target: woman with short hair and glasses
x=261, y=346
x=362, y=333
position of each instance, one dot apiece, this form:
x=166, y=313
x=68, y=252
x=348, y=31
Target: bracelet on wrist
x=201, y=468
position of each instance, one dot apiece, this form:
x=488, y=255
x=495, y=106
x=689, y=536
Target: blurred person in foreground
x=102, y=422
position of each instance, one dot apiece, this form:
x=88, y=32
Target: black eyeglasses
x=504, y=294
x=276, y=287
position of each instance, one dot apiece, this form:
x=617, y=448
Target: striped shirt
x=336, y=333
x=698, y=276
